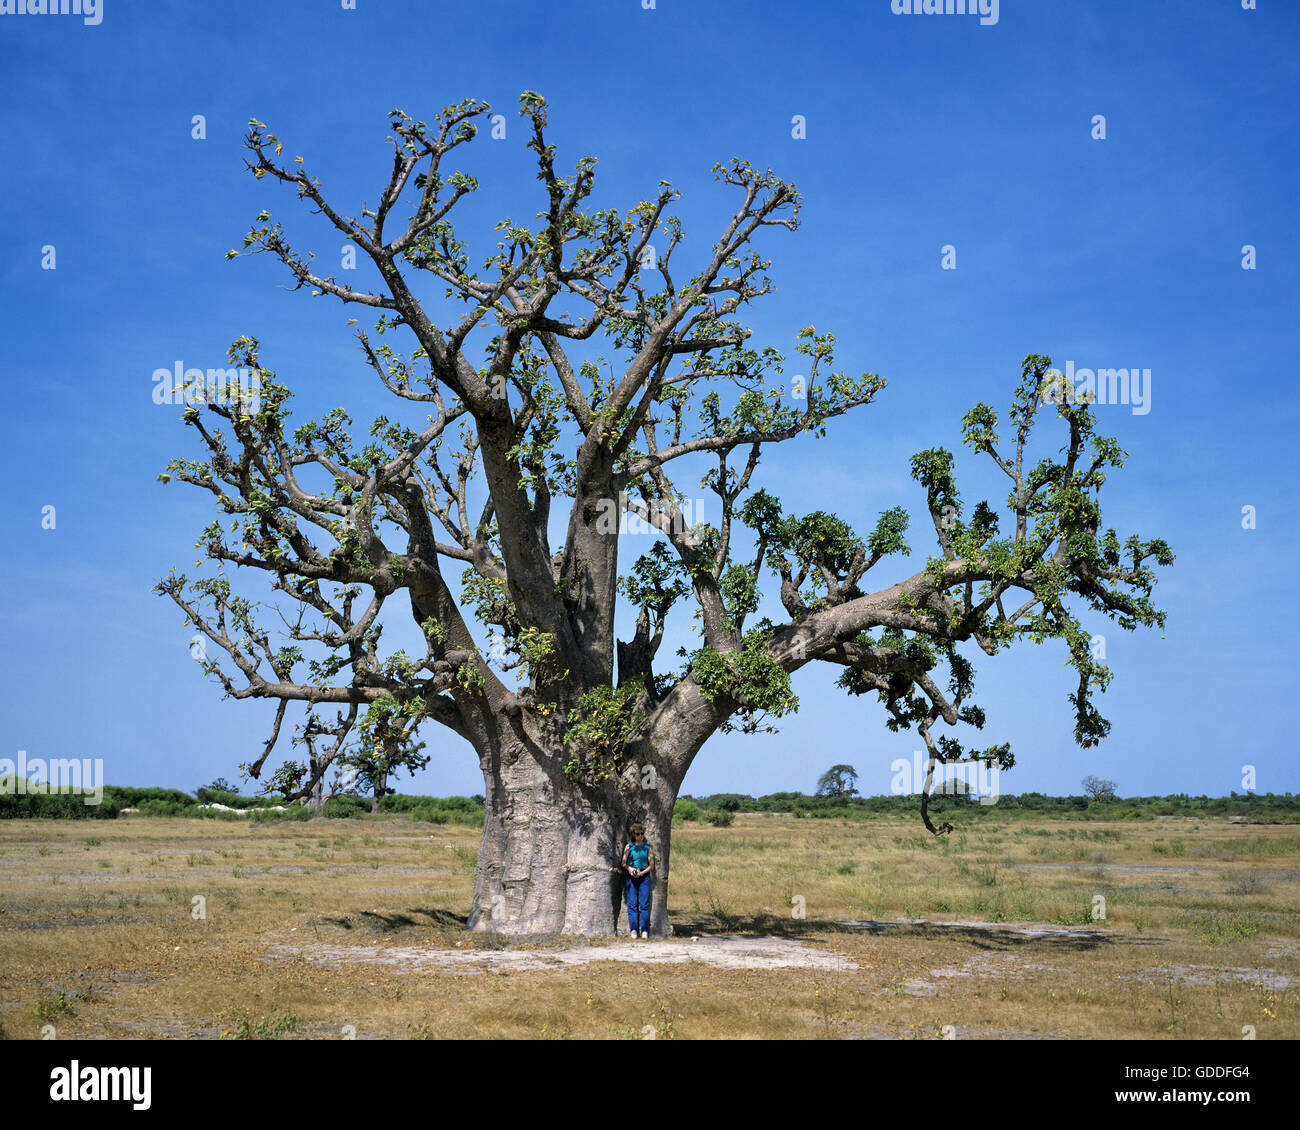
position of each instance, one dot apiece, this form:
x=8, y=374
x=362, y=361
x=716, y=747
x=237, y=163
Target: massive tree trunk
x=550, y=857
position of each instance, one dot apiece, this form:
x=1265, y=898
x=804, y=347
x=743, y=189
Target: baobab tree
x=501, y=410
x=1097, y=788
x=838, y=780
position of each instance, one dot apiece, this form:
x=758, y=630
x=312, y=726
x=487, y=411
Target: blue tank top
x=638, y=856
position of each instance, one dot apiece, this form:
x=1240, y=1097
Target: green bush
x=1215, y=928
x=722, y=819
x=435, y=813
x=685, y=810
x=399, y=802
x=293, y=812
x=153, y=807
x=345, y=807
x=65, y=805
x=127, y=796
x=729, y=802
x=429, y=814
x=196, y=812
x=238, y=1024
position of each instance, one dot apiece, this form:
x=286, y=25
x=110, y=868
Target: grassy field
x=314, y=929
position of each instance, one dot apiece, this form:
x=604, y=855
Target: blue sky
x=921, y=132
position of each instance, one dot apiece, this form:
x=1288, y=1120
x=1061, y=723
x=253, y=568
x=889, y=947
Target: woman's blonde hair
x=635, y=828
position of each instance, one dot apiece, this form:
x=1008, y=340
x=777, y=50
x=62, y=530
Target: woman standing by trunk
x=638, y=863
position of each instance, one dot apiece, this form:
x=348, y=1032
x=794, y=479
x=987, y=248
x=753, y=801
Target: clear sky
x=920, y=132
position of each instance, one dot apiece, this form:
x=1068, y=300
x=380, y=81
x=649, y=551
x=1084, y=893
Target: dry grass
x=100, y=935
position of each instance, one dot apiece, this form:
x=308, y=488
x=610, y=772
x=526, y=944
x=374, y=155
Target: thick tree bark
x=316, y=798
x=550, y=856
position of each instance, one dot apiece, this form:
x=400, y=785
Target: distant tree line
x=31, y=801
x=717, y=808
x=1262, y=807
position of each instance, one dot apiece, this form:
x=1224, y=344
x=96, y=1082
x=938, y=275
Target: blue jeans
x=638, y=902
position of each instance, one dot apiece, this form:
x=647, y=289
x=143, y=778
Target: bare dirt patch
x=718, y=952
x=1217, y=974
x=1025, y=930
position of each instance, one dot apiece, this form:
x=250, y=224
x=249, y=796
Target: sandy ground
x=719, y=951
x=311, y=928
x=731, y=951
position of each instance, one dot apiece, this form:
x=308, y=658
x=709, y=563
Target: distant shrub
x=292, y=812
x=198, y=812
x=685, y=810
x=464, y=810
x=29, y=802
x=128, y=796
x=345, y=807
x=431, y=814
x=1214, y=928
x=729, y=802
x=238, y=1024
x=156, y=807
x=400, y=802
x=1253, y=882
x=721, y=819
